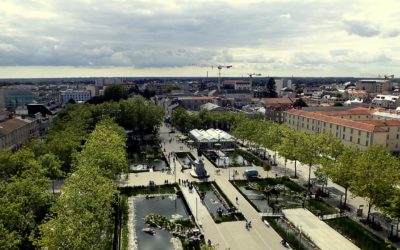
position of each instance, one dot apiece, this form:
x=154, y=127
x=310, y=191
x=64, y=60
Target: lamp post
x=175, y=172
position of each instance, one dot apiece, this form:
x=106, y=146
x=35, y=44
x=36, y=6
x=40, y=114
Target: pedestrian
x=237, y=200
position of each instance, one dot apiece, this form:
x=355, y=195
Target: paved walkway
x=325, y=237
x=232, y=235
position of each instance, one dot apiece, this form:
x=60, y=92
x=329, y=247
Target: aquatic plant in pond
x=169, y=206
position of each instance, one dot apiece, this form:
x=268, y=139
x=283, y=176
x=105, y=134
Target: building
x=282, y=86
x=237, y=85
x=386, y=101
x=14, y=97
x=194, y=102
x=211, y=107
x=274, y=108
x=76, y=95
x=212, y=139
x=383, y=86
x=15, y=131
x=355, y=126
x=353, y=94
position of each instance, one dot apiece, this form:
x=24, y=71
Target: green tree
x=51, y=166
x=341, y=169
x=310, y=151
x=82, y=216
x=271, y=88
x=105, y=149
x=374, y=176
x=289, y=146
x=115, y=93
x=300, y=103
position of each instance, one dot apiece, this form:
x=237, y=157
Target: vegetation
x=363, y=238
x=82, y=216
x=373, y=175
x=204, y=119
x=83, y=139
x=299, y=103
x=289, y=236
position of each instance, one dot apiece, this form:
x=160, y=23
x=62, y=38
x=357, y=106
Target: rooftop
x=10, y=125
x=277, y=101
x=319, y=232
x=211, y=135
x=338, y=121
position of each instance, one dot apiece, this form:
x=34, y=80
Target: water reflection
x=169, y=206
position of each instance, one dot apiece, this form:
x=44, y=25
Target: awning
x=183, y=137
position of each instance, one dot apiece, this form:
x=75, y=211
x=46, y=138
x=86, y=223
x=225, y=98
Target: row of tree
x=372, y=174
x=82, y=216
x=72, y=142
x=185, y=121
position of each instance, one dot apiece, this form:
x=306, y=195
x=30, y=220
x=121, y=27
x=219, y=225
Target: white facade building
x=76, y=95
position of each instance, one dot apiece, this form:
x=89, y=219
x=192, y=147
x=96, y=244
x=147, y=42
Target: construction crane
x=219, y=67
x=251, y=78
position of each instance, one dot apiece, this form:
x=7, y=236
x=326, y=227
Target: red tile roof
x=277, y=101
x=354, y=111
x=382, y=123
x=339, y=121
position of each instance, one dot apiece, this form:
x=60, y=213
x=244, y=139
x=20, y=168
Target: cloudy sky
x=47, y=38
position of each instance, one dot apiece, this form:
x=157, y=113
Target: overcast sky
x=47, y=38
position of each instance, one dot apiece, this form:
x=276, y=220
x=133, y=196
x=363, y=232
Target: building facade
x=15, y=131
x=353, y=127
x=76, y=95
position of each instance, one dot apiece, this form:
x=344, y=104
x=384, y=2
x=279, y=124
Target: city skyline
x=84, y=38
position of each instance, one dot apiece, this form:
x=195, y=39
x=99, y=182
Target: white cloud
x=281, y=37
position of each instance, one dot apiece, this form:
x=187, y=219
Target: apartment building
x=194, y=102
x=15, y=131
x=353, y=127
x=386, y=101
x=375, y=86
x=76, y=95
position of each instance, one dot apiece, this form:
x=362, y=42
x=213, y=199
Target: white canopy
x=211, y=135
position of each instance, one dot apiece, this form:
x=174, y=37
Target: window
x=359, y=132
x=352, y=131
x=344, y=129
x=330, y=125
x=358, y=141
x=343, y=137
x=366, y=143
x=351, y=138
